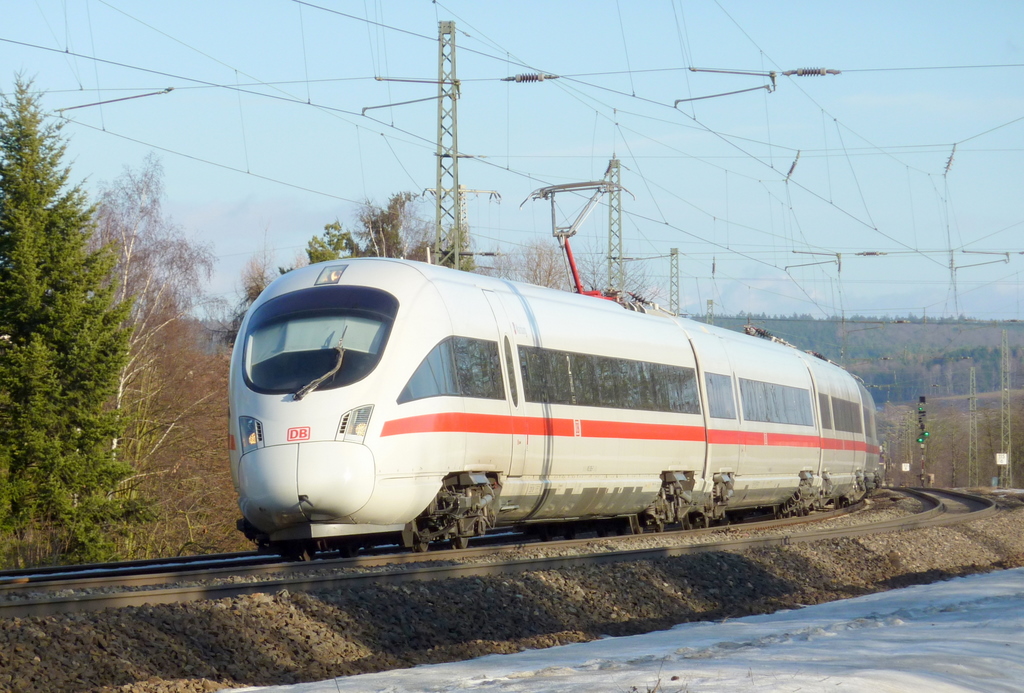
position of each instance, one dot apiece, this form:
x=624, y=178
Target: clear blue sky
x=263, y=140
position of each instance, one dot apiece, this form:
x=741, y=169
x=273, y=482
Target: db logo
x=297, y=434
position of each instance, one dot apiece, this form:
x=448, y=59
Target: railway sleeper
x=463, y=508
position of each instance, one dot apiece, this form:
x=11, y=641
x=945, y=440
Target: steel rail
x=42, y=574
x=936, y=515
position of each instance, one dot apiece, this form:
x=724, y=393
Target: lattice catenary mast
x=616, y=268
x=448, y=241
x=673, y=281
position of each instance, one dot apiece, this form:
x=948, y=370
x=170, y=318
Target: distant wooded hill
x=900, y=360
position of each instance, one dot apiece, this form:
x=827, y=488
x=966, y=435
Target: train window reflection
x=309, y=334
x=510, y=371
x=848, y=415
x=286, y=355
x=775, y=403
x=721, y=403
x=291, y=340
x=869, y=413
x=826, y=414
x=561, y=377
x=458, y=366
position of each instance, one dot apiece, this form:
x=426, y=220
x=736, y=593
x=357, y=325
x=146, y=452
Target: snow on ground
x=965, y=634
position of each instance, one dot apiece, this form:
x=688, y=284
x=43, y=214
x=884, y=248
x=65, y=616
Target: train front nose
x=284, y=485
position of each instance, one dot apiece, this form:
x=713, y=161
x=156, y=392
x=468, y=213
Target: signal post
x=922, y=438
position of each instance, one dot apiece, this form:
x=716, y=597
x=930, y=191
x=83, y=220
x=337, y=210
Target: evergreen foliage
x=389, y=231
x=335, y=243
x=62, y=346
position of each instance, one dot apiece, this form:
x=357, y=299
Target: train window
x=721, y=403
x=848, y=415
x=560, y=377
x=672, y=388
x=434, y=377
x=869, y=423
x=510, y=371
x=826, y=414
x=478, y=368
x=774, y=403
x=545, y=375
x=868, y=405
x=292, y=340
x=458, y=366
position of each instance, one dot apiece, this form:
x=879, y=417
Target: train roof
x=402, y=271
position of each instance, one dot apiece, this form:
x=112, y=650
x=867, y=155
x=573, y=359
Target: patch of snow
x=960, y=635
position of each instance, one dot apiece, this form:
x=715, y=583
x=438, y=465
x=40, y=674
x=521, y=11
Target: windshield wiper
x=306, y=389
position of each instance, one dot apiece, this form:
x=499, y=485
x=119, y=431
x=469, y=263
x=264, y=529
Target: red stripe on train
x=624, y=429
x=455, y=422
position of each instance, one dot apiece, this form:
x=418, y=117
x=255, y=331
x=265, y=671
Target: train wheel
x=460, y=542
x=420, y=545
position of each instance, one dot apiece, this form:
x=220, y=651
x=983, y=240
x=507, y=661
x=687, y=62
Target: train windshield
x=296, y=339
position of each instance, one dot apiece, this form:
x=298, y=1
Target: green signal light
x=920, y=439
x=926, y=434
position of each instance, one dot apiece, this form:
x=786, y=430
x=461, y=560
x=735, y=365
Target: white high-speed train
x=372, y=398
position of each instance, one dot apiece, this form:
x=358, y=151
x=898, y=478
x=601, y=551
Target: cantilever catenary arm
x=599, y=187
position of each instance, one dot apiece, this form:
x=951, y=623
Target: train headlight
x=250, y=433
x=354, y=424
x=330, y=275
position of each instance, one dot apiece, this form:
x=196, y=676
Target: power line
x=587, y=100
x=214, y=163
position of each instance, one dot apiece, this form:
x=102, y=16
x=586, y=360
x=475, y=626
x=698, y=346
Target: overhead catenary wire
x=533, y=174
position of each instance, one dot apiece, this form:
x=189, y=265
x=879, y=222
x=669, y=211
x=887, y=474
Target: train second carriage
x=374, y=400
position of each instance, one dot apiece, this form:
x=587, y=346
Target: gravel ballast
x=282, y=638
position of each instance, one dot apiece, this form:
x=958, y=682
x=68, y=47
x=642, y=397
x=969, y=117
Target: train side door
x=720, y=406
x=513, y=384
x=820, y=413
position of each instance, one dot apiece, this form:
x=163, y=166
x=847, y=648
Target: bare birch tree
x=169, y=392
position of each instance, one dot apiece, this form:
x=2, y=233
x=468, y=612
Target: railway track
x=131, y=574
x=57, y=594
x=140, y=574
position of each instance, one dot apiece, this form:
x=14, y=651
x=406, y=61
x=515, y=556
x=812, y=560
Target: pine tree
x=62, y=345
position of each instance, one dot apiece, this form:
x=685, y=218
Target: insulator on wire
x=949, y=162
x=810, y=72
x=529, y=77
x=793, y=167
